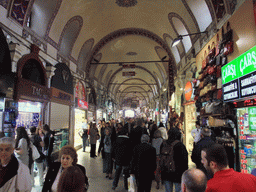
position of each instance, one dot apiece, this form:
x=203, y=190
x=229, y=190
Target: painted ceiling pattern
x=99, y=37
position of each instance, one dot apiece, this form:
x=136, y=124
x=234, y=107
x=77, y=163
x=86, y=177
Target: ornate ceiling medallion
x=126, y=3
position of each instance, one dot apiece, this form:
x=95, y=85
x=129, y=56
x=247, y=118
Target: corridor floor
x=97, y=180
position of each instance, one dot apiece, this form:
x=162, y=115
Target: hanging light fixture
x=177, y=40
x=126, y=3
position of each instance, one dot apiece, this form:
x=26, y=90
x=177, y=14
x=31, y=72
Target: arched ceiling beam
x=137, y=79
x=131, y=31
x=139, y=67
x=120, y=101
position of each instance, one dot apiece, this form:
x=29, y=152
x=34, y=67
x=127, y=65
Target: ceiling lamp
x=180, y=37
x=126, y=3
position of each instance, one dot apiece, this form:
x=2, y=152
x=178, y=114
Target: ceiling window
x=181, y=30
x=201, y=12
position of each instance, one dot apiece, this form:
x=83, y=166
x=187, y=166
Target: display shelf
x=217, y=115
x=61, y=138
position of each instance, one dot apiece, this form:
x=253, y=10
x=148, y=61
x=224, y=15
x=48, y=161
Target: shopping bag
x=35, y=153
x=132, y=184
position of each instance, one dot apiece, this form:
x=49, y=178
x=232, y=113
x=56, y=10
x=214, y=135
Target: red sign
x=188, y=91
x=129, y=73
x=82, y=104
x=80, y=91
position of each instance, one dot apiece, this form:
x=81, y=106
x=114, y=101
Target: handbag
x=212, y=51
x=228, y=36
x=132, y=184
x=214, y=122
x=213, y=107
x=35, y=152
x=228, y=48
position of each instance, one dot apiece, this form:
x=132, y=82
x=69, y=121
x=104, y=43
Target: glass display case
x=61, y=138
x=247, y=138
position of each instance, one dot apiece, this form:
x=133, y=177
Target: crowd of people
x=136, y=148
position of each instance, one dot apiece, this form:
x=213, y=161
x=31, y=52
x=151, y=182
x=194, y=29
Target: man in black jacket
x=121, y=154
x=143, y=164
x=204, y=143
x=137, y=132
x=129, y=125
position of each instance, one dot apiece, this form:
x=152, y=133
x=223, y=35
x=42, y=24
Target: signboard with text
x=239, y=76
x=129, y=73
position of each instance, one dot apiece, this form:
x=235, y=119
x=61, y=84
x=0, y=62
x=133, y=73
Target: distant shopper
x=205, y=142
x=196, y=133
x=143, y=164
x=84, y=137
x=48, y=141
x=156, y=143
x=94, y=136
x=193, y=180
x=39, y=143
x=106, y=145
x=129, y=125
x=152, y=129
x=122, y=153
x=215, y=161
x=14, y=175
x=180, y=160
x=137, y=132
x=163, y=131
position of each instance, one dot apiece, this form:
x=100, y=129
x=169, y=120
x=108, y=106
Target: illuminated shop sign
x=239, y=76
x=82, y=104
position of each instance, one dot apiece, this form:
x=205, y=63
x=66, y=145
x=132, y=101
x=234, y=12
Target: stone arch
x=69, y=35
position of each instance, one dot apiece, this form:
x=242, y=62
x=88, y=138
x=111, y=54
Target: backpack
x=166, y=157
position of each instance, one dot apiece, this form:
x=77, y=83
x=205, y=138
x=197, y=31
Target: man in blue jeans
x=121, y=154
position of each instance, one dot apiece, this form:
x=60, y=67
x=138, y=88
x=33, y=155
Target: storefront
x=8, y=108
x=239, y=88
x=229, y=111
x=31, y=92
x=61, y=105
x=80, y=114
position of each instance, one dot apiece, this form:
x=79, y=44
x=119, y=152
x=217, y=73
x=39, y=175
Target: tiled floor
x=97, y=180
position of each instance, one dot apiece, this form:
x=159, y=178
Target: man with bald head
x=193, y=180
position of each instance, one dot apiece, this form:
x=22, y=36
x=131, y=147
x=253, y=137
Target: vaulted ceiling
x=99, y=36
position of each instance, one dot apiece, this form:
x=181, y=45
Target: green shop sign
x=241, y=66
x=252, y=118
